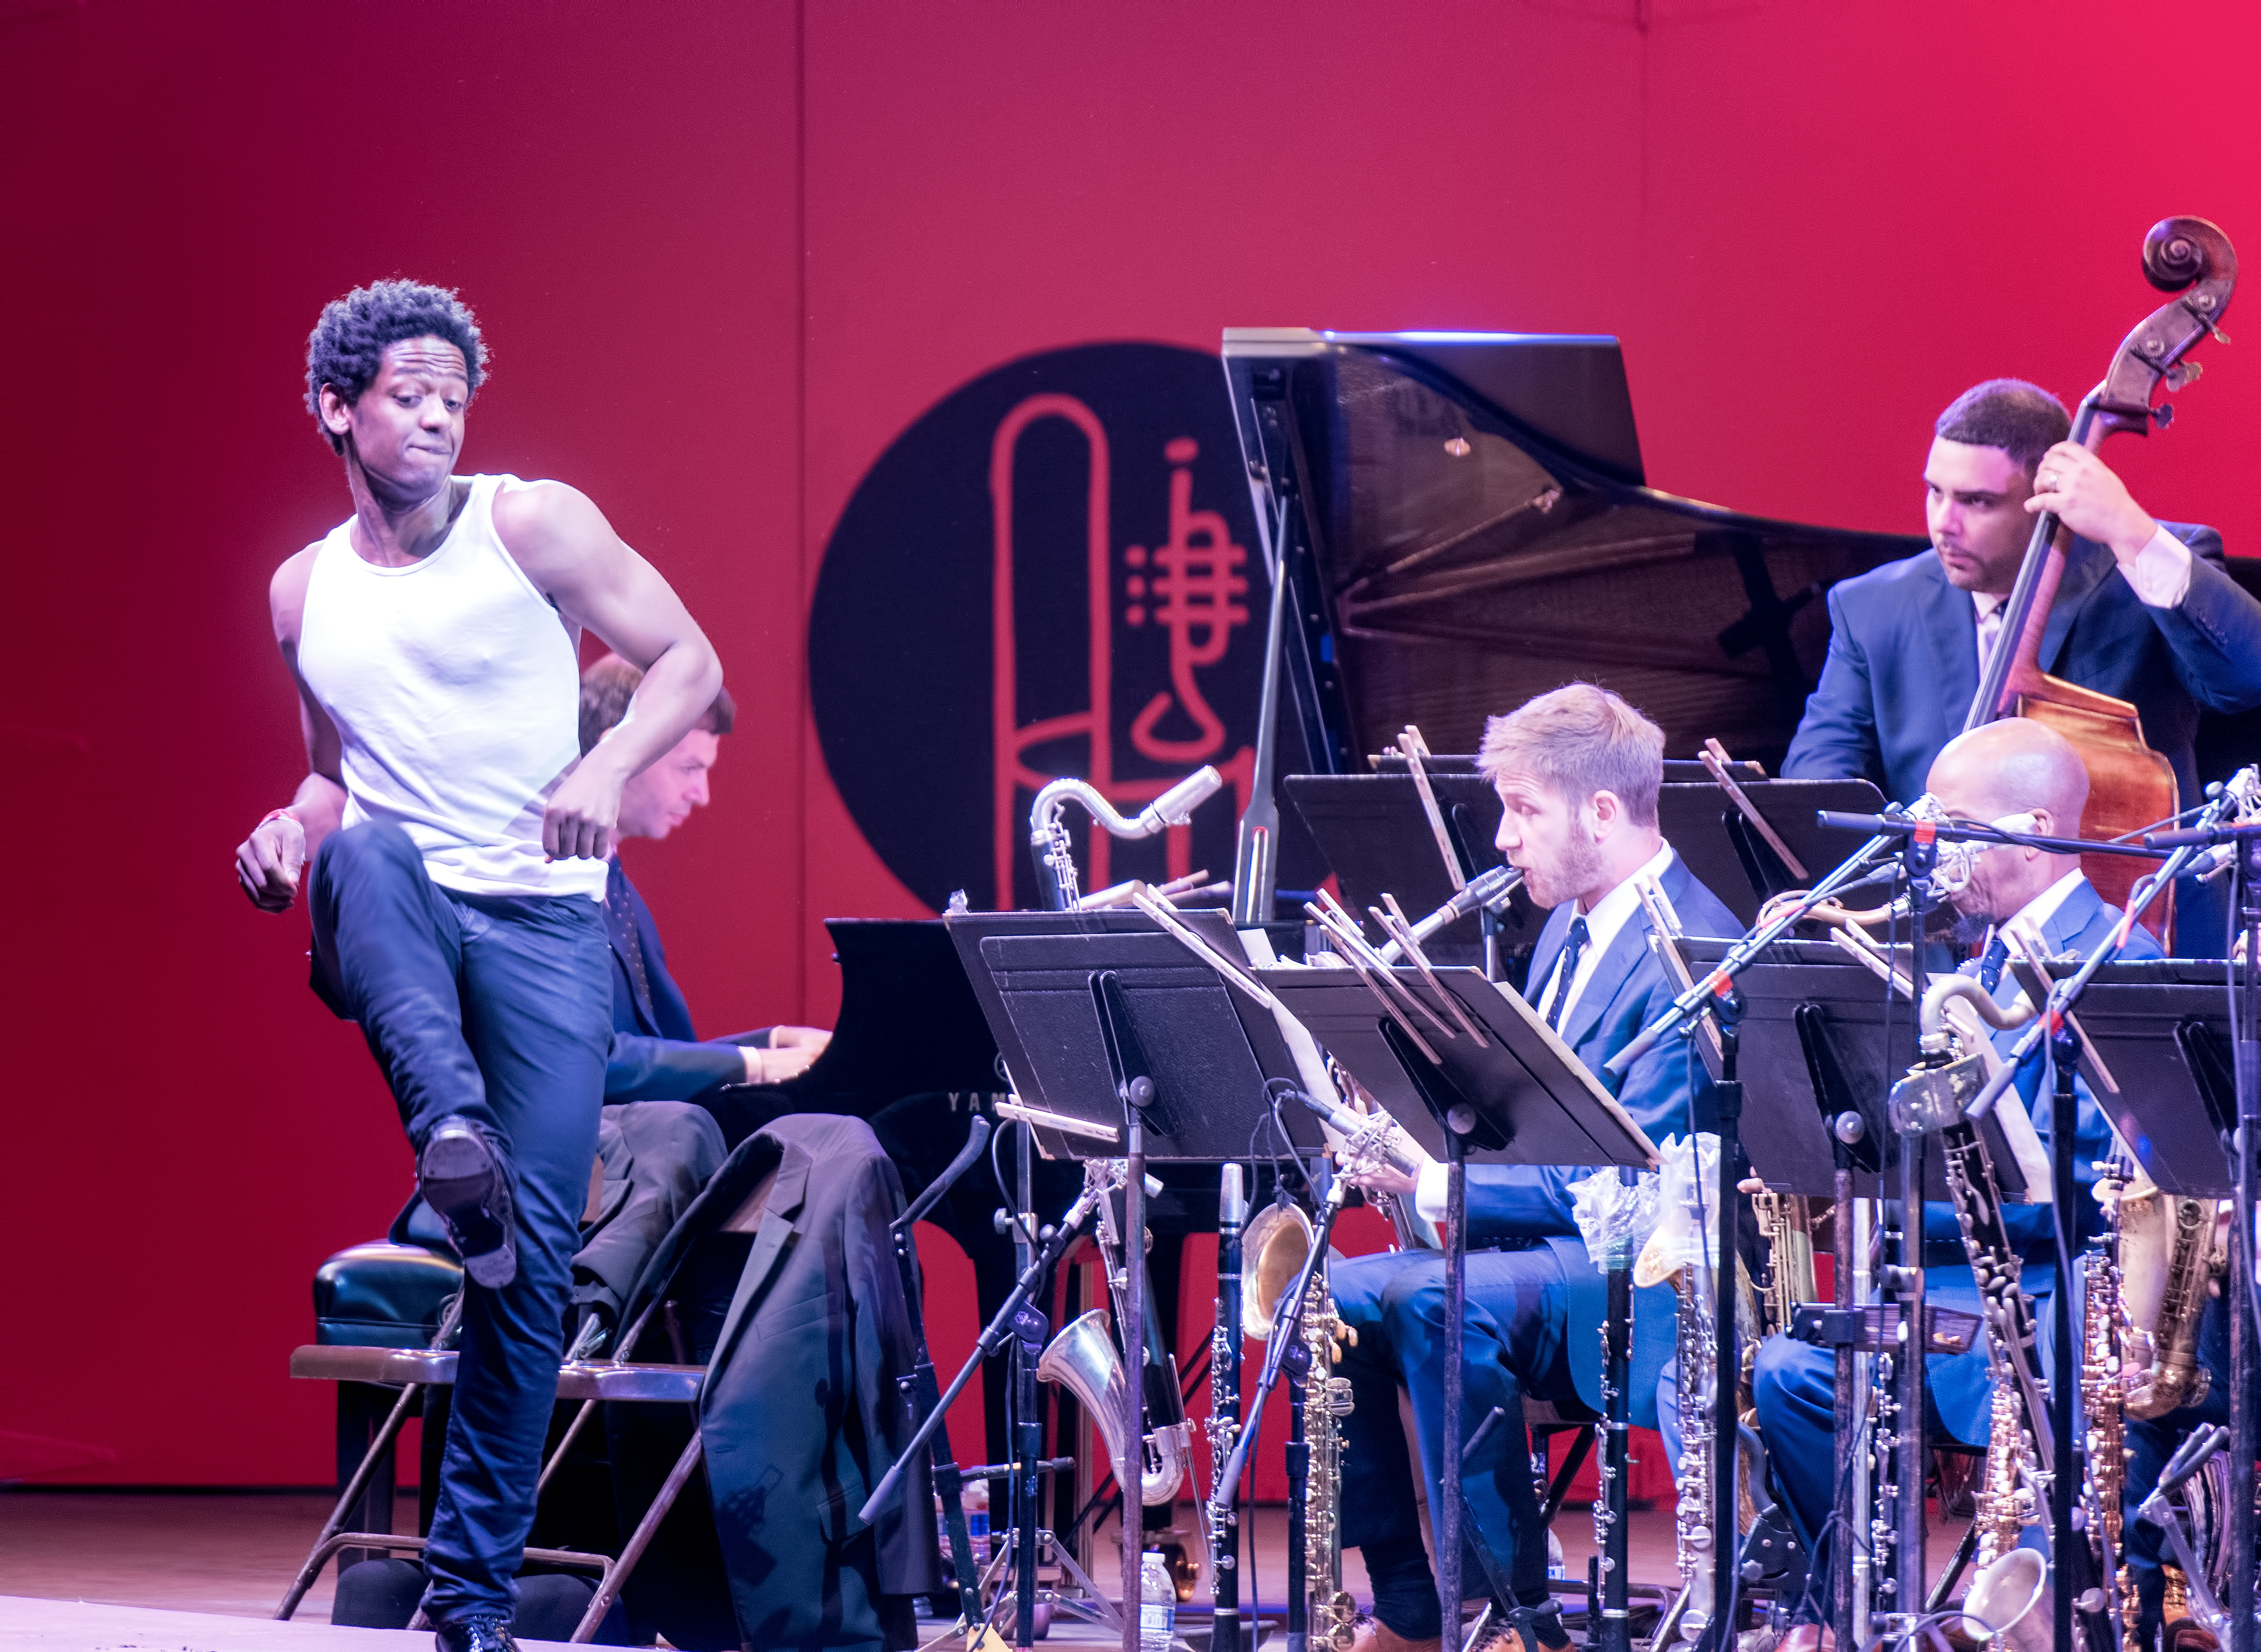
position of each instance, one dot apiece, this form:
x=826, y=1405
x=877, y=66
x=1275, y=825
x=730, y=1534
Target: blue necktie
x=1573, y=944
x=1990, y=965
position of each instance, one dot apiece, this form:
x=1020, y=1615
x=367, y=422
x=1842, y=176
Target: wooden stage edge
x=29, y=1625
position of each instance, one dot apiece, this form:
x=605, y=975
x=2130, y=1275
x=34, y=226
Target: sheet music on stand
x=1213, y=1051
x=1818, y=1039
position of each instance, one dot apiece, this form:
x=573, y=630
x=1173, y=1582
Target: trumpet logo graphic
x=1190, y=587
x=1083, y=514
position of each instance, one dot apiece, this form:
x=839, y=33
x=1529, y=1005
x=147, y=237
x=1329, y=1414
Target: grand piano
x=1467, y=523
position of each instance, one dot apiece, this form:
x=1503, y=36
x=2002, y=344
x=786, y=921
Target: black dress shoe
x=475, y=1635
x=466, y=1180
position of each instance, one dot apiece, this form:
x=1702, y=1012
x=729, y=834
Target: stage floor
x=96, y=1571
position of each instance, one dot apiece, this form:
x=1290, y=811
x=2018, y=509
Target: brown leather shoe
x=1373, y=1635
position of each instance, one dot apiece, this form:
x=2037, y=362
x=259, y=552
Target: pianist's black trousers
x=499, y=1008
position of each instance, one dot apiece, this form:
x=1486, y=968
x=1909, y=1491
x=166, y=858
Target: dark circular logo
x=1054, y=571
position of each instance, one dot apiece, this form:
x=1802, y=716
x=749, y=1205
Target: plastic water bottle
x=1158, y=1603
x=975, y=1500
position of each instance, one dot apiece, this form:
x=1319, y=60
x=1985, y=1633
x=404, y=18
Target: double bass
x=2130, y=786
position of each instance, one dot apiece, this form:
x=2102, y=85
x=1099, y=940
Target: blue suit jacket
x=1627, y=990
x=655, y=1056
x=1903, y=662
x=1959, y=1385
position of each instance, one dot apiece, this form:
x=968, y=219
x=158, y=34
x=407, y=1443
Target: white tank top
x=455, y=689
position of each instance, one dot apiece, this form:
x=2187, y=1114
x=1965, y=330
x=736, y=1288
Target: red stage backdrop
x=728, y=255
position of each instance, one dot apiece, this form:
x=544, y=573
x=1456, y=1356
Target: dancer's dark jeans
x=499, y=1008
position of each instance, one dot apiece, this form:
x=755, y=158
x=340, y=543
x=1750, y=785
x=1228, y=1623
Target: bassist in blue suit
x=2145, y=612
x=1577, y=772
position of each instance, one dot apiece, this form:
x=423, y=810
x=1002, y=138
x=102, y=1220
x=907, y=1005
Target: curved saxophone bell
x=2011, y=1598
x=1271, y=1251
x=1084, y=1361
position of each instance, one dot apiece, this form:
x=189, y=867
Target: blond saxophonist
x=2005, y=770
x=1577, y=772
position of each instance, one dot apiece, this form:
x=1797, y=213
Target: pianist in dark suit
x=1577, y=772
x=2146, y=611
x=656, y=1055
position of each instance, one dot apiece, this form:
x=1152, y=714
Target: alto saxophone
x=2169, y=1253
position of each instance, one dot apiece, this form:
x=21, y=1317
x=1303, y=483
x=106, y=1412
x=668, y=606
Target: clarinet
x=1221, y=1528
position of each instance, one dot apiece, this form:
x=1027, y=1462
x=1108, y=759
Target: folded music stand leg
x=2244, y=1418
x=1130, y=1474
x=1839, y=1588
x=1609, y=1607
x=1445, y=1507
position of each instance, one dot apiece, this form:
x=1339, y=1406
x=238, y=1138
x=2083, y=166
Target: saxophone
x=1326, y=1402
x=2102, y=1406
x=1786, y=1222
x=2170, y=1251
x=2009, y=1593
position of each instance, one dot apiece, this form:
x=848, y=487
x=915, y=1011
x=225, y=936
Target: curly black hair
x=348, y=342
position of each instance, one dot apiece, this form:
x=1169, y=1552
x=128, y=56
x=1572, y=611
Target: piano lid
x=1468, y=524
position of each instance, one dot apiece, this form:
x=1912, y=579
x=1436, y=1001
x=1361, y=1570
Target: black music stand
x=1819, y=1041
x=2168, y=1081
x=1376, y=836
x=1731, y=859
x=1522, y=1097
x=1212, y=1051
x=1106, y=1020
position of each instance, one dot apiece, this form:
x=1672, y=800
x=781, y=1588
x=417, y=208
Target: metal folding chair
x=590, y=1382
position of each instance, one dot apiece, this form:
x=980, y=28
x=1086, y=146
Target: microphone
x=1489, y=890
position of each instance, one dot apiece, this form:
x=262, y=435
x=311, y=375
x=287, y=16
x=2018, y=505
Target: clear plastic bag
x=1688, y=1183
x=1614, y=1217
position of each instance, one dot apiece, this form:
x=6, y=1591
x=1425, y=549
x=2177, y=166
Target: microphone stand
x=1008, y=1324
x=2245, y=1019
x=919, y=1390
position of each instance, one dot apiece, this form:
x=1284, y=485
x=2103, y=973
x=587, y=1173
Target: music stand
x=1211, y=1050
x=1731, y=859
x=2168, y=1081
x=1815, y=1029
x=1106, y=1020
x=1521, y=1097
x=1375, y=837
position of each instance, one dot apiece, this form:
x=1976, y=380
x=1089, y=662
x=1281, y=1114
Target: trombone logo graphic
x=1052, y=572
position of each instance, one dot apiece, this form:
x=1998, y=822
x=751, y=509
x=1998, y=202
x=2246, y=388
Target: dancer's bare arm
x=571, y=553
x=268, y=862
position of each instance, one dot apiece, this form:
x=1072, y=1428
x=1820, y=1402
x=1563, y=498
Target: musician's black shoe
x=476, y=1634
x=465, y=1179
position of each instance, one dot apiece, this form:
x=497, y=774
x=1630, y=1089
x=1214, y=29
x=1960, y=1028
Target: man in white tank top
x=455, y=844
